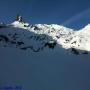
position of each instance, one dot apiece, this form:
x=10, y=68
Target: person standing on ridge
x=19, y=18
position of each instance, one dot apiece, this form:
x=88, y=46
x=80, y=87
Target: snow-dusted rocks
x=37, y=37
x=20, y=24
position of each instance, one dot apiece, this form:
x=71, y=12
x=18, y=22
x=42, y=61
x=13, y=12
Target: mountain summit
x=36, y=37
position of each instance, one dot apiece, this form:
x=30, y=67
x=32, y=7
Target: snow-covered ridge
x=52, y=34
x=61, y=34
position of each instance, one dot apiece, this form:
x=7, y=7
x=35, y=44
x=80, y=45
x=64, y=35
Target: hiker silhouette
x=19, y=18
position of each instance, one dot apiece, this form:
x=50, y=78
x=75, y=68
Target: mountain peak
x=43, y=34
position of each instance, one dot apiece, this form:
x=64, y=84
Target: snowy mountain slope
x=24, y=39
x=39, y=57
x=39, y=36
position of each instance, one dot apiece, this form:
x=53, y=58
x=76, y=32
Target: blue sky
x=47, y=11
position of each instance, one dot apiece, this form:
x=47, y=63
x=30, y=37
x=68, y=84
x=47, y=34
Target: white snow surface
x=26, y=60
x=65, y=37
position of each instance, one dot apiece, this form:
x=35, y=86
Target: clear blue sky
x=47, y=11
